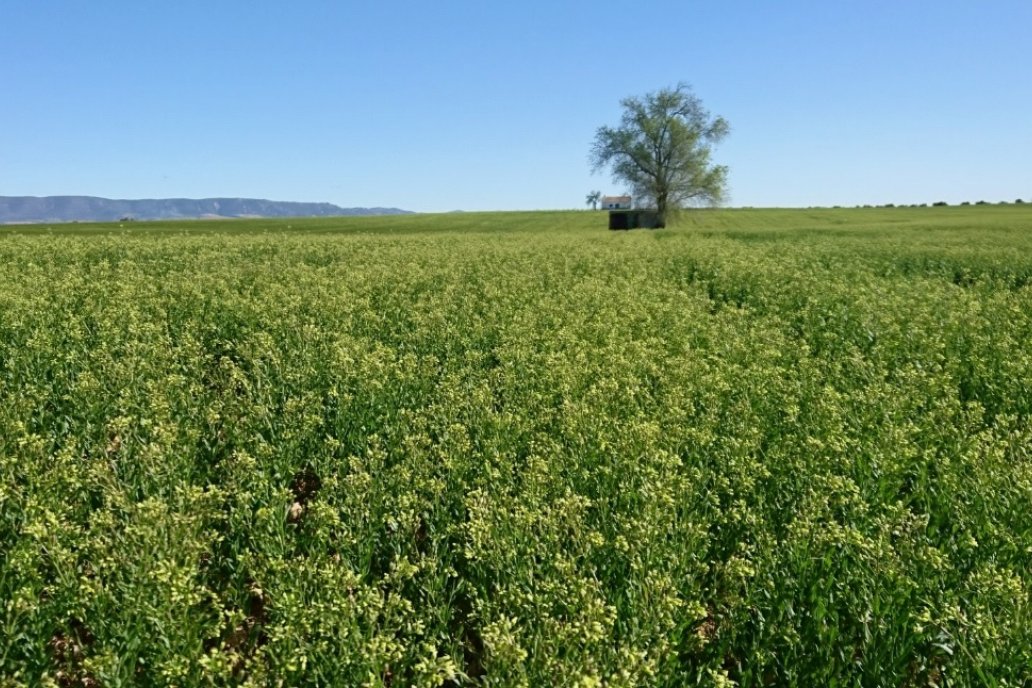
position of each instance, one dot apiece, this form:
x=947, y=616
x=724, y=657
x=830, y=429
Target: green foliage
x=766, y=448
x=663, y=150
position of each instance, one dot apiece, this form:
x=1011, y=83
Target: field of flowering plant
x=763, y=448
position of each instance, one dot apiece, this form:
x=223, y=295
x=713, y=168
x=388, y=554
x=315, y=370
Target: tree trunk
x=661, y=211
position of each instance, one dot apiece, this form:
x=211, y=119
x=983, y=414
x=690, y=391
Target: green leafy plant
x=771, y=448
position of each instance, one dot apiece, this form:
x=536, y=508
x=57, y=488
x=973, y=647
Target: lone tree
x=593, y=198
x=662, y=150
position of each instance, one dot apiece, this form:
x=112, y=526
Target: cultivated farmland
x=763, y=447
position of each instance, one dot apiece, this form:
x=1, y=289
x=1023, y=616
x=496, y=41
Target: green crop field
x=761, y=448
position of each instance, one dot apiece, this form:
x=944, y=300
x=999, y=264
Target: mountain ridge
x=34, y=209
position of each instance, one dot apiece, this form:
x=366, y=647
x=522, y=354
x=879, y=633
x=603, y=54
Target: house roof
x=616, y=199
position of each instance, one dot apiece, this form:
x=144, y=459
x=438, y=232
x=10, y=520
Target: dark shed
x=633, y=219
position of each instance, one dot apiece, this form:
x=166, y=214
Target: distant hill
x=16, y=209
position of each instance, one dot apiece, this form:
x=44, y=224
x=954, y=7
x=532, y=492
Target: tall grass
x=763, y=448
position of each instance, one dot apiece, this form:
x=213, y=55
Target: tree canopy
x=663, y=148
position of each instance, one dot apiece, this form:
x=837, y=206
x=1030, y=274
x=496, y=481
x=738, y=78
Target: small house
x=616, y=202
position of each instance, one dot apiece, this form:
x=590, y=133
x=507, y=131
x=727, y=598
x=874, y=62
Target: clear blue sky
x=435, y=106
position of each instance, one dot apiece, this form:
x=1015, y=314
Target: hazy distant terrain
x=91, y=208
